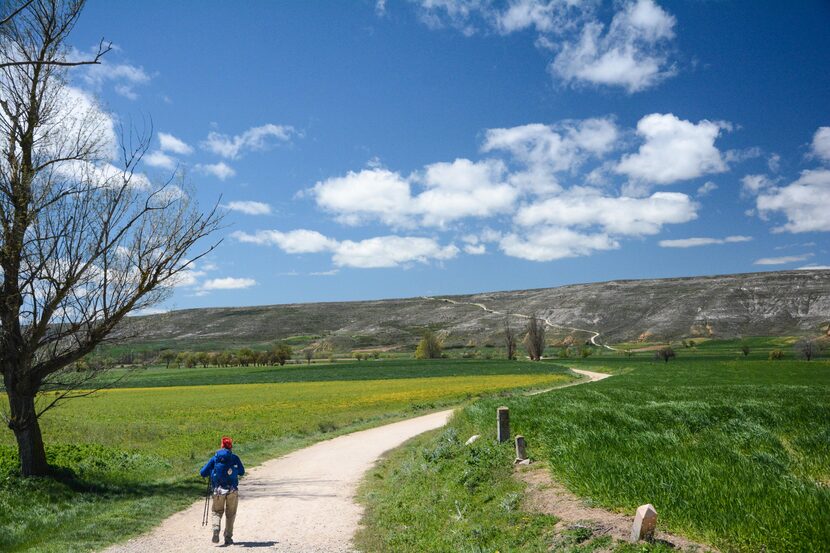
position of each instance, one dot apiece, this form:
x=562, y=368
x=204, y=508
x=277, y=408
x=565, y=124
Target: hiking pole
x=207, y=504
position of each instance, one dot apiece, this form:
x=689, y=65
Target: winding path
x=302, y=502
x=594, y=333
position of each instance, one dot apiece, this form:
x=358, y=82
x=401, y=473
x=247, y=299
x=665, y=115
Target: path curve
x=594, y=333
x=302, y=502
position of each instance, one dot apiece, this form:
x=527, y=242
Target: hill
x=725, y=306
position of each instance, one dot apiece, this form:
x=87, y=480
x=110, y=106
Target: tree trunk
x=26, y=429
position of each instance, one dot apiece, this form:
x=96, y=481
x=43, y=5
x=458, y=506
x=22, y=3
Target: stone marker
x=472, y=439
x=521, y=453
x=645, y=521
x=503, y=429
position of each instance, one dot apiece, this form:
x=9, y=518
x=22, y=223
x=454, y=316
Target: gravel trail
x=302, y=502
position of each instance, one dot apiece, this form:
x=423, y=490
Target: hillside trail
x=302, y=502
x=594, y=334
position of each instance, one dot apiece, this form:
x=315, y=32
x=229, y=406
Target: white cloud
x=159, y=159
x=674, y=150
x=813, y=268
x=227, y=283
x=125, y=77
x=170, y=143
x=616, y=215
x=821, y=144
x=753, y=184
x=380, y=8
x=377, y=252
x=475, y=249
x=295, y=241
x=219, y=170
x=453, y=191
x=550, y=243
x=695, y=242
x=630, y=54
x=706, y=188
x=782, y=260
x=390, y=251
x=369, y=194
x=255, y=138
x=803, y=202
x=330, y=272
x=249, y=207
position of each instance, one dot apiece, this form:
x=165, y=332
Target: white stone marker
x=645, y=521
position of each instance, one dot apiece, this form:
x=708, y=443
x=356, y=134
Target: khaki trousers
x=225, y=504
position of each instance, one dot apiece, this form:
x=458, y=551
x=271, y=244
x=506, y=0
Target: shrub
x=665, y=354
x=429, y=347
x=776, y=355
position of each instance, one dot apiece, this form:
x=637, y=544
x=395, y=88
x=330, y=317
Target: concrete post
x=503, y=429
x=645, y=521
x=521, y=453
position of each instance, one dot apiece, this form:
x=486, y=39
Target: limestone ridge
x=725, y=306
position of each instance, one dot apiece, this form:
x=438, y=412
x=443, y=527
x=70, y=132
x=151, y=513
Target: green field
x=733, y=452
x=128, y=457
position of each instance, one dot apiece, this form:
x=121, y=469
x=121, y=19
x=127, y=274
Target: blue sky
x=393, y=149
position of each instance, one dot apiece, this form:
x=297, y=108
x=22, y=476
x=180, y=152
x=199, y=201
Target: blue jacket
x=228, y=458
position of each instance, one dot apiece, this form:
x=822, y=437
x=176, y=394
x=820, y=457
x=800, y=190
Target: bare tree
x=807, y=349
x=19, y=16
x=309, y=355
x=510, y=338
x=535, y=338
x=84, y=243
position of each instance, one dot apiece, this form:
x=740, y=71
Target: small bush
x=776, y=355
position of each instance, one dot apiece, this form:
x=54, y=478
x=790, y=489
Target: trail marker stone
x=472, y=439
x=645, y=521
x=521, y=448
x=503, y=429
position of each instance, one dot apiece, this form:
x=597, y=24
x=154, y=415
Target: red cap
x=227, y=443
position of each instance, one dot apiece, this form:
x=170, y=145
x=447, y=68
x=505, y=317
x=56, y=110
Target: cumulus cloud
x=123, y=76
x=550, y=243
x=753, y=184
x=170, y=143
x=616, y=215
x=674, y=149
x=706, y=188
x=803, y=202
x=821, y=144
x=295, y=241
x=159, y=159
x=630, y=54
x=249, y=207
x=782, y=260
x=695, y=242
x=227, y=283
x=221, y=170
x=255, y=138
x=452, y=191
x=371, y=253
x=631, y=51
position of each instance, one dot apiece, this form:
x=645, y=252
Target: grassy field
x=128, y=457
x=385, y=369
x=733, y=452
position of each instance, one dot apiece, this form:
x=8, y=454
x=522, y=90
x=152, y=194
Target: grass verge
x=731, y=453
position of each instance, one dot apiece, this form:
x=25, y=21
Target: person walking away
x=224, y=470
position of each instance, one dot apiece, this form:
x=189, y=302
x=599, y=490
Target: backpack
x=225, y=472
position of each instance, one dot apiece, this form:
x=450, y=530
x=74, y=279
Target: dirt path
x=594, y=334
x=302, y=502
x=592, y=377
x=299, y=503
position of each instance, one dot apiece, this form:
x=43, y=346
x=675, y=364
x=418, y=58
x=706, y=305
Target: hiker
x=224, y=470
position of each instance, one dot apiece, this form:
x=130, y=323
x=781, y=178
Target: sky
x=367, y=150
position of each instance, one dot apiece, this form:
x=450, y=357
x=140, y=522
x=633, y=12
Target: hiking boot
x=228, y=540
x=215, y=538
